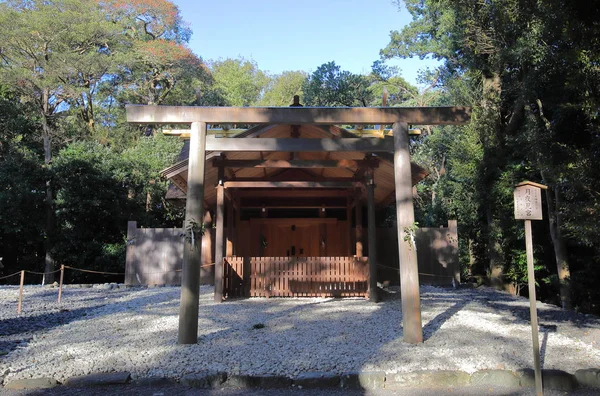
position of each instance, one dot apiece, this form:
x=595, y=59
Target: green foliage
x=329, y=85
x=238, y=82
x=99, y=189
x=282, y=88
x=54, y=53
x=22, y=194
x=529, y=69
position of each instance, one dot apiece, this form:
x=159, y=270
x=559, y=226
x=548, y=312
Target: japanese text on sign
x=528, y=203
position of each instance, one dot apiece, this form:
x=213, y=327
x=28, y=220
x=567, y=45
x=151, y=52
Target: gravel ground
x=135, y=330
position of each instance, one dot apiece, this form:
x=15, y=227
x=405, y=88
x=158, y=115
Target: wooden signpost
x=528, y=206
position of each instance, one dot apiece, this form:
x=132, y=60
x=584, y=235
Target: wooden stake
x=192, y=250
x=532, y=309
x=407, y=252
x=62, y=275
x=21, y=292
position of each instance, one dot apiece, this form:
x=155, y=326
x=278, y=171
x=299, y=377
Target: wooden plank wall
x=437, y=253
x=311, y=238
x=296, y=277
x=155, y=256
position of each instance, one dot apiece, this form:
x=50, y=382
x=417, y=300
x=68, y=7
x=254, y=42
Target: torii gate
x=400, y=117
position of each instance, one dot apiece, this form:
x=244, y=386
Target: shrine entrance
x=284, y=142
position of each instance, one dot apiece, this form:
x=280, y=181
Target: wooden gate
x=295, y=276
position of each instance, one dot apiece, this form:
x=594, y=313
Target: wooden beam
x=292, y=193
x=407, y=252
x=192, y=253
x=290, y=184
x=180, y=182
x=298, y=206
x=298, y=178
x=143, y=114
x=294, y=163
x=300, y=145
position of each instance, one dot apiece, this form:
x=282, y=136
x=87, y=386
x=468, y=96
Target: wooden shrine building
x=281, y=182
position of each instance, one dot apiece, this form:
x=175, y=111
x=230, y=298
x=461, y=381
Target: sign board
x=528, y=201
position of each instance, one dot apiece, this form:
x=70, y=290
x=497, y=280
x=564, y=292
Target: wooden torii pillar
x=192, y=249
x=407, y=249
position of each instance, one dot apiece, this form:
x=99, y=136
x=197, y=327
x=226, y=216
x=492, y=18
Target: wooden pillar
x=131, y=263
x=359, y=227
x=192, y=249
x=207, y=271
x=238, y=219
x=405, y=215
x=229, y=247
x=372, y=237
x=219, y=245
x=453, y=236
x=349, y=221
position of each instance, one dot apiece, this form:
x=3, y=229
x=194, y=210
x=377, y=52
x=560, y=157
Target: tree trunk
x=491, y=136
x=553, y=201
x=50, y=214
x=496, y=267
x=560, y=248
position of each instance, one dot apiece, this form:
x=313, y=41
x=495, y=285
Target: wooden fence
x=155, y=255
x=295, y=276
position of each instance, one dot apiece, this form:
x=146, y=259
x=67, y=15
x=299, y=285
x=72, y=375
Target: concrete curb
x=118, y=378
x=32, y=383
x=552, y=379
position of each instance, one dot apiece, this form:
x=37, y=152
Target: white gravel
x=135, y=330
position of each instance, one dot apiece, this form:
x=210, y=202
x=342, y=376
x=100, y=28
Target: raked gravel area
x=135, y=329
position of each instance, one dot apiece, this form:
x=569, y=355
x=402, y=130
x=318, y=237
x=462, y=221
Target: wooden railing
x=295, y=276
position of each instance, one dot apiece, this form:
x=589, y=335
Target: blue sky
x=285, y=35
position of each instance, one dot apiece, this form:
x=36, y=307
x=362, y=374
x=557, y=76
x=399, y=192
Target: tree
x=384, y=78
x=282, y=89
x=472, y=37
x=22, y=194
x=329, y=85
x=537, y=114
x=48, y=49
x=157, y=68
x=238, y=82
x=98, y=189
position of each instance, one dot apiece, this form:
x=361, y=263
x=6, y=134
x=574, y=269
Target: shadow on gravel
x=436, y=323
x=17, y=331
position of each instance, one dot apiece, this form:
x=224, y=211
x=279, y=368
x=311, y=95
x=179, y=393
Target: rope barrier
x=420, y=273
x=8, y=276
x=95, y=272
x=42, y=273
